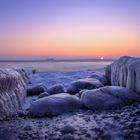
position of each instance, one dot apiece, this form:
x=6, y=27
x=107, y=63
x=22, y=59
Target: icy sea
x=51, y=73
x=56, y=66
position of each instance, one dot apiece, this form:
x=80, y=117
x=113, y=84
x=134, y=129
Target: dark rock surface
x=36, y=90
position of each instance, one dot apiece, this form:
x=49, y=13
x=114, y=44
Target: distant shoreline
x=59, y=60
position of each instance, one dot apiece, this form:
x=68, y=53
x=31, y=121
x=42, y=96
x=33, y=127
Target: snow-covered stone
x=24, y=75
x=68, y=129
x=68, y=137
x=54, y=105
x=125, y=72
x=44, y=94
x=81, y=84
x=109, y=97
x=12, y=92
x=58, y=88
x=36, y=90
x=101, y=77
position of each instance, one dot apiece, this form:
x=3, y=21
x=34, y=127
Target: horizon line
x=57, y=60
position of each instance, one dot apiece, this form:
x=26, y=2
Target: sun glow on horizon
x=102, y=58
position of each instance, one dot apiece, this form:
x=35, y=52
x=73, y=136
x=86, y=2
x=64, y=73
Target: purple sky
x=54, y=28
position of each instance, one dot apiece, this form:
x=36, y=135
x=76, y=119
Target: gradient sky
x=69, y=28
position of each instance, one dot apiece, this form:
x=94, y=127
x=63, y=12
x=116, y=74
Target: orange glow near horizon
x=85, y=43
x=82, y=29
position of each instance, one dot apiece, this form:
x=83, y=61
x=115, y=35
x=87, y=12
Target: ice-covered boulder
x=109, y=97
x=36, y=90
x=101, y=77
x=125, y=72
x=24, y=75
x=12, y=92
x=58, y=88
x=54, y=105
x=67, y=129
x=44, y=94
x=81, y=84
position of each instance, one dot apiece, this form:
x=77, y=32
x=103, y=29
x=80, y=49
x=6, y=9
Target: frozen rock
x=125, y=72
x=24, y=75
x=109, y=97
x=58, y=88
x=81, y=92
x=12, y=92
x=42, y=95
x=67, y=129
x=54, y=105
x=101, y=77
x=36, y=90
x=69, y=137
x=87, y=83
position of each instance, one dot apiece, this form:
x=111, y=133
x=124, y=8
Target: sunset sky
x=31, y=29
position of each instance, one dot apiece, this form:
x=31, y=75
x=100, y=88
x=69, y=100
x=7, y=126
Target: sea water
x=56, y=66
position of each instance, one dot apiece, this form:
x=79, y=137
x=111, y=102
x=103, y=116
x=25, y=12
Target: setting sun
x=102, y=58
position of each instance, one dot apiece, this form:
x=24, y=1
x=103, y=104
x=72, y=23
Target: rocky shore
x=101, y=106
x=121, y=124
